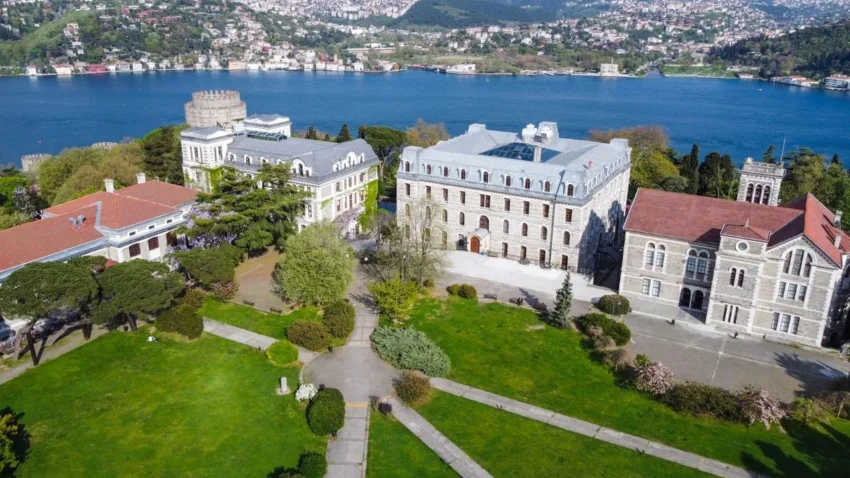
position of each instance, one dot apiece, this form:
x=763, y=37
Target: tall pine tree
x=344, y=135
x=560, y=316
x=769, y=155
x=690, y=170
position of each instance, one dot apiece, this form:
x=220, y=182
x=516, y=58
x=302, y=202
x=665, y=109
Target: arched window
x=757, y=198
x=407, y=210
x=263, y=160
x=685, y=298
x=462, y=219
x=741, y=278
x=428, y=169
x=566, y=238
x=462, y=174
x=765, y=198
x=508, y=181
x=649, y=255
x=232, y=157
x=798, y=263
x=544, y=233
x=484, y=222
x=546, y=186
x=807, y=266
x=485, y=177
x=445, y=215
x=698, y=298
x=527, y=184
x=407, y=166
x=300, y=169
x=445, y=172
x=247, y=159
x=697, y=265
x=750, y=192
x=524, y=230
x=506, y=226
x=733, y=274
x=569, y=189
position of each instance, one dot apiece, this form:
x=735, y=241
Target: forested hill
x=814, y=52
x=465, y=13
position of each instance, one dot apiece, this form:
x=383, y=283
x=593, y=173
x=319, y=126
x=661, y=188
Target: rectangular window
x=463, y=197
x=646, y=284
x=428, y=192
x=569, y=216
x=656, y=288
x=795, y=325
x=801, y=293
x=526, y=207
x=407, y=189
x=691, y=265
x=545, y=210
x=484, y=200
x=659, y=259
x=782, y=286
x=775, y=322
x=445, y=194
x=565, y=261
x=784, y=323
x=507, y=204
x=504, y=249
x=153, y=243
x=650, y=258
x=702, y=265
x=798, y=263
x=792, y=291
x=135, y=250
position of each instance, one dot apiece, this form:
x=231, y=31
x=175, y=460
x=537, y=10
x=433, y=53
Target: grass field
x=249, y=318
x=508, y=445
x=496, y=348
x=121, y=406
x=394, y=452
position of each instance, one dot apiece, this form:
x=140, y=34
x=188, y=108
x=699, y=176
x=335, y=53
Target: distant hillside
x=814, y=52
x=465, y=13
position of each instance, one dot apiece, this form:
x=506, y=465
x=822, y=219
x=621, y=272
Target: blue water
x=740, y=118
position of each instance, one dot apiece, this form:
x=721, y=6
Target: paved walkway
x=251, y=339
x=64, y=346
x=436, y=441
x=347, y=453
x=641, y=445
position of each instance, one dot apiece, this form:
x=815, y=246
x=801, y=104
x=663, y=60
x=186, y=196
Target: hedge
x=282, y=352
x=616, y=330
x=464, y=291
x=326, y=413
x=182, y=320
x=613, y=304
x=312, y=465
x=700, y=399
x=339, y=318
x=410, y=349
x=310, y=335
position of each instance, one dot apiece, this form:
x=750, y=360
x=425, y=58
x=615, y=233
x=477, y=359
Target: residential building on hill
x=741, y=266
x=337, y=175
x=533, y=197
x=136, y=222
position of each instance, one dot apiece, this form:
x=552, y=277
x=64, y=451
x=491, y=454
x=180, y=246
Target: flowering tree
x=758, y=406
x=654, y=378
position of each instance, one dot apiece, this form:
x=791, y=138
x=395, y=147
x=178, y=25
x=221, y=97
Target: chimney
x=140, y=178
x=837, y=221
x=537, y=151
x=110, y=185
x=837, y=240
x=73, y=221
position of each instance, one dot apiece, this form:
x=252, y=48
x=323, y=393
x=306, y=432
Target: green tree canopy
x=210, y=266
x=423, y=134
x=163, y=157
x=344, y=135
x=136, y=288
x=40, y=289
x=651, y=154
x=717, y=176
x=317, y=267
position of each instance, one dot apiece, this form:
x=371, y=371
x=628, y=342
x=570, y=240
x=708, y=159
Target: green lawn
x=509, y=445
x=121, y=406
x=265, y=323
x=495, y=347
x=395, y=452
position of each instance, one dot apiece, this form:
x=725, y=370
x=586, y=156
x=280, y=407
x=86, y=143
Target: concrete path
x=641, y=445
x=436, y=441
x=251, y=339
x=64, y=346
x=347, y=452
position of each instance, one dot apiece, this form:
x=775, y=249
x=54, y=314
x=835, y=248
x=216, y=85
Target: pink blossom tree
x=758, y=406
x=654, y=378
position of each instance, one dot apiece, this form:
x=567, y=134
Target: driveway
x=254, y=277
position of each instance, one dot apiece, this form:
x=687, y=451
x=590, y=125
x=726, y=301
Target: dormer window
x=445, y=172
x=570, y=190
x=231, y=157
x=407, y=166
x=527, y=184
x=247, y=159
x=546, y=186
x=428, y=169
x=462, y=174
x=508, y=181
x=485, y=177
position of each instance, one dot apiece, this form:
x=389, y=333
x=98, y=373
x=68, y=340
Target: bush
x=699, y=399
x=13, y=442
x=182, y=320
x=428, y=283
x=412, y=387
x=758, y=406
x=224, y=292
x=654, y=378
x=339, y=318
x=616, y=359
x=282, y=353
x=312, y=465
x=326, y=413
x=599, y=339
x=807, y=410
x=453, y=289
x=310, y=335
x=409, y=349
x=613, y=304
x=616, y=330
x=641, y=360
x=395, y=297
x=467, y=292
x=193, y=299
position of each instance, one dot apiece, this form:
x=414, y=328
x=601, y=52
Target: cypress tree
x=327, y=137
x=690, y=170
x=344, y=135
x=769, y=155
x=361, y=132
x=311, y=133
x=836, y=159
x=560, y=315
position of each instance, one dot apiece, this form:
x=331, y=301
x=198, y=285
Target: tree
x=327, y=137
x=163, y=157
x=41, y=290
x=317, y=267
x=560, y=316
x=676, y=184
x=651, y=155
x=88, y=170
x=424, y=135
x=12, y=437
x=208, y=267
x=344, y=135
x=133, y=289
x=394, y=297
x=55, y=171
x=690, y=170
x=717, y=176
x=361, y=132
x=769, y=155
x=836, y=159
x=412, y=247
x=311, y=133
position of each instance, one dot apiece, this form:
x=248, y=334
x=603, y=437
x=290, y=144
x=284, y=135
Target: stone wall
x=215, y=108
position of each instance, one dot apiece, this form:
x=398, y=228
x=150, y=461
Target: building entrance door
x=475, y=244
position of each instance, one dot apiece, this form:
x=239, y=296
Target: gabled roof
x=693, y=218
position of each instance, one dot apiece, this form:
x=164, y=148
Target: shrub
x=428, y=283
x=182, y=320
x=654, y=378
x=312, y=465
x=613, y=304
x=807, y=410
x=193, y=299
x=467, y=292
x=453, y=289
x=641, y=360
x=617, y=359
x=13, y=442
x=395, y=297
x=758, y=406
x=224, y=291
x=599, y=339
x=306, y=392
x=310, y=335
x=410, y=349
x=326, y=413
x=339, y=318
x=282, y=353
x=616, y=330
x=412, y=387
x=699, y=399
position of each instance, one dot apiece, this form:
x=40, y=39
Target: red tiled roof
x=702, y=219
x=38, y=239
x=131, y=205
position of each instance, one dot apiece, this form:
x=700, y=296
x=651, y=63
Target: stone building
x=742, y=266
x=532, y=196
x=215, y=108
x=31, y=162
x=338, y=175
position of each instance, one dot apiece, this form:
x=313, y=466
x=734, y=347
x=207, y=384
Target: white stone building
x=532, y=196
